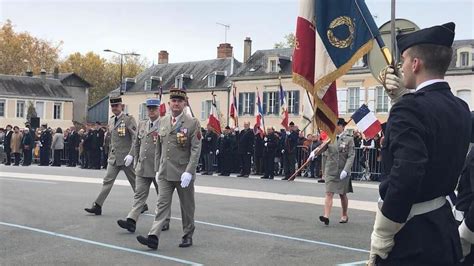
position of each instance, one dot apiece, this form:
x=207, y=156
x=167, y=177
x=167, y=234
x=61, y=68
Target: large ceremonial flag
x=331, y=35
x=284, y=108
x=367, y=122
x=214, y=117
x=259, y=127
x=234, y=113
x=162, y=104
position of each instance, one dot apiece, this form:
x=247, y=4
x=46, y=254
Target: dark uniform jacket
x=7, y=141
x=259, y=142
x=73, y=141
x=272, y=144
x=209, y=142
x=246, y=139
x=291, y=142
x=46, y=139
x=422, y=161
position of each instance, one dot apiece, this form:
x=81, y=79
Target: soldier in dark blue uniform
x=270, y=145
x=225, y=151
x=465, y=204
x=246, y=141
x=414, y=224
x=45, y=140
x=289, y=151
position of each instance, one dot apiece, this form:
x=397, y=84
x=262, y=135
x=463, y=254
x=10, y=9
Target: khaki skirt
x=338, y=186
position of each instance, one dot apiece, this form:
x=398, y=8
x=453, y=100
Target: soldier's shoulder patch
x=199, y=135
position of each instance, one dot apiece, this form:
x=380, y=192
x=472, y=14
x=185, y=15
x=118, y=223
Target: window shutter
x=265, y=105
x=252, y=102
x=342, y=100
x=203, y=110
x=240, y=107
x=361, y=97
x=277, y=102
x=371, y=100
x=296, y=106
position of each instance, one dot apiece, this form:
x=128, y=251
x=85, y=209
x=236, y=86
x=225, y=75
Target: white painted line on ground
x=186, y=262
x=373, y=185
x=273, y=235
x=24, y=180
x=355, y=263
x=370, y=206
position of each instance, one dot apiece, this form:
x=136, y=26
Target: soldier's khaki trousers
x=142, y=190
x=109, y=179
x=186, y=199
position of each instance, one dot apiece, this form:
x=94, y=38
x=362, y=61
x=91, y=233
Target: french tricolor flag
x=367, y=122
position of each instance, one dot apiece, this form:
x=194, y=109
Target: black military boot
x=96, y=209
x=186, y=241
x=151, y=241
x=128, y=224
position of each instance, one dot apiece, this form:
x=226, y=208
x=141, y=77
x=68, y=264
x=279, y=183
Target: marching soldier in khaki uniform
x=122, y=129
x=143, y=151
x=177, y=156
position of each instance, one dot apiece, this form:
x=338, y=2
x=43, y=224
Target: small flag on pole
x=259, y=127
x=214, y=117
x=367, y=122
x=233, y=107
x=284, y=108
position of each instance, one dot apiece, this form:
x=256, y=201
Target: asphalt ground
x=239, y=221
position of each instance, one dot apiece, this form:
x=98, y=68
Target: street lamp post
x=121, y=64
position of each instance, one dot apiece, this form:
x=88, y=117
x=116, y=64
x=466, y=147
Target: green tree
x=21, y=51
x=31, y=111
x=289, y=41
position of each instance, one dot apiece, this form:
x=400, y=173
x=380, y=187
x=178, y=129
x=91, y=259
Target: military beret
x=341, y=122
x=440, y=35
x=177, y=93
x=115, y=100
x=152, y=102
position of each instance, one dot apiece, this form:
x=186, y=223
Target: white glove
x=217, y=152
x=156, y=176
x=266, y=144
x=128, y=160
x=343, y=175
x=288, y=133
x=282, y=151
x=186, y=179
x=312, y=155
x=392, y=83
x=236, y=129
x=382, y=238
x=222, y=135
x=467, y=238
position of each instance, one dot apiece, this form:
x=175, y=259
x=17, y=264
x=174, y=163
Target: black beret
x=440, y=35
x=341, y=122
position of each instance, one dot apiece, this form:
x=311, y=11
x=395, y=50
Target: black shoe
x=165, y=227
x=271, y=177
x=323, y=219
x=264, y=177
x=226, y=174
x=241, y=175
x=145, y=208
x=96, y=209
x=204, y=173
x=151, y=241
x=128, y=224
x=186, y=242
x=321, y=180
x=286, y=178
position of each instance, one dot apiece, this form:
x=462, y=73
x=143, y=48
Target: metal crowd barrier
x=367, y=165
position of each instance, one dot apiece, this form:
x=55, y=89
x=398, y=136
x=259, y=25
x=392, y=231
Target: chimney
x=224, y=50
x=163, y=57
x=43, y=73
x=247, y=49
x=56, y=72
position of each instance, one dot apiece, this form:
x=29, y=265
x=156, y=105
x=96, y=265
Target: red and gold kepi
x=176, y=93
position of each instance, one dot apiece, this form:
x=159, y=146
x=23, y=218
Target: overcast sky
x=188, y=29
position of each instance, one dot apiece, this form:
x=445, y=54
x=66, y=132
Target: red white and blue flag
x=284, y=108
x=233, y=107
x=259, y=127
x=367, y=122
x=331, y=36
x=214, y=116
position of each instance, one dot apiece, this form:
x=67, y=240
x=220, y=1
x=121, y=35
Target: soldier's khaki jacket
x=143, y=148
x=122, y=135
x=339, y=156
x=172, y=159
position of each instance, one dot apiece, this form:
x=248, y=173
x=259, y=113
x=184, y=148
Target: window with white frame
x=464, y=59
x=211, y=80
x=354, y=98
x=293, y=99
x=147, y=85
x=142, y=112
x=246, y=103
x=20, y=109
x=382, y=100
x=57, y=109
x=39, y=109
x=206, y=109
x=273, y=67
x=270, y=103
x=2, y=108
x=178, y=82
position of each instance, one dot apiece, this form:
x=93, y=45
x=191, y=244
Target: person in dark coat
x=27, y=144
x=315, y=165
x=258, y=154
x=209, y=147
x=289, y=151
x=414, y=224
x=246, y=140
x=464, y=212
x=45, y=147
x=6, y=144
x=73, y=141
x=96, y=146
x=225, y=151
x=270, y=144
